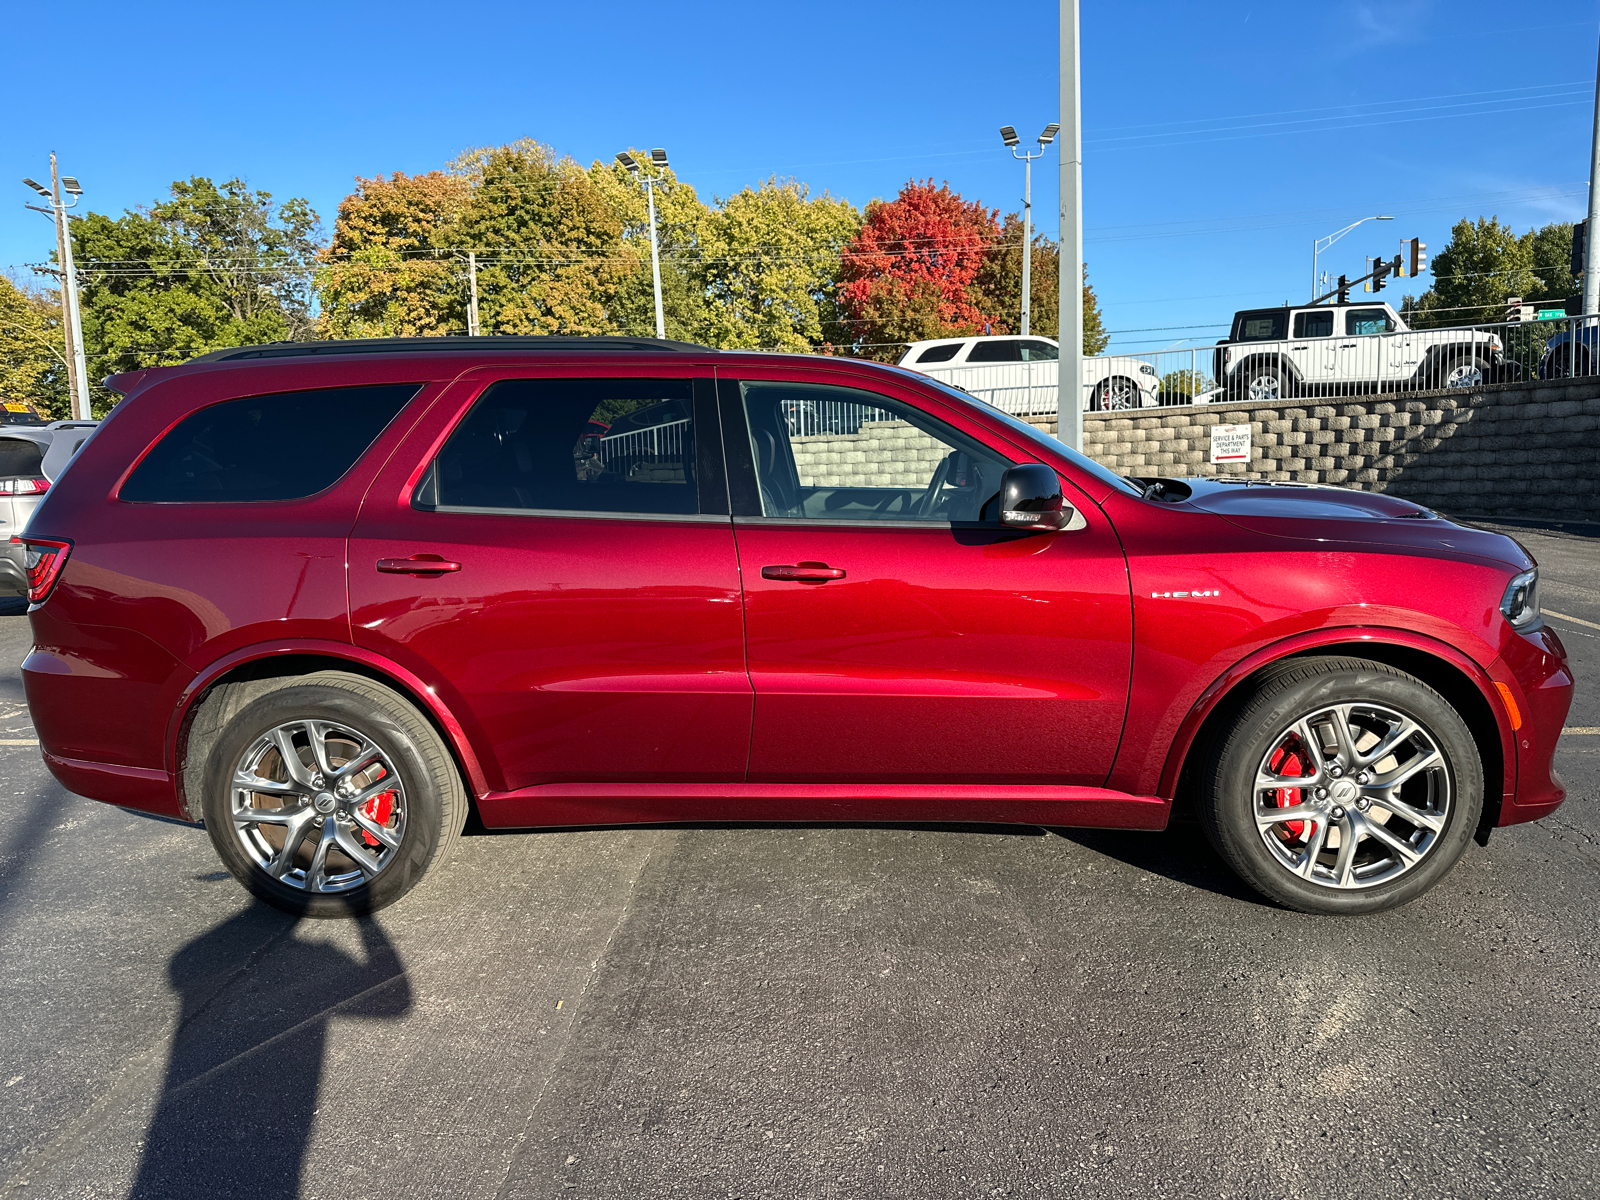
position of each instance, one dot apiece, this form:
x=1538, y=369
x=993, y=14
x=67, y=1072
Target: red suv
x=327, y=598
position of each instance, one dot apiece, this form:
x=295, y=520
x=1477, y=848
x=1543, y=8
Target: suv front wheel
x=330, y=796
x=1343, y=786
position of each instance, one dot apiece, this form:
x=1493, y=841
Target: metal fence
x=1366, y=357
x=652, y=442
x=811, y=418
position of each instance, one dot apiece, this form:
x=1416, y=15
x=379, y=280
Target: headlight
x=1147, y=369
x=1520, y=604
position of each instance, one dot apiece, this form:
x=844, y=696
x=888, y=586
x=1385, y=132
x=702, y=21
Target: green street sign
x=1549, y=314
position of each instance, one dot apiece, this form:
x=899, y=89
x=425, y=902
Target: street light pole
x=1591, y=261
x=71, y=321
x=472, y=296
x=1320, y=244
x=1008, y=135
x=1069, y=397
x=658, y=159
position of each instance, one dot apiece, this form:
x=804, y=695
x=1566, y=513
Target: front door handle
x=806, y=572
x=417, y=564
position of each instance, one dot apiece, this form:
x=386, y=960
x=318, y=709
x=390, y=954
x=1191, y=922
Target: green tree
x=1484, y=263
x=389, y=270
x=33, y=364
x=766, y=263
x=1552, y=265
x=680, y=217
x=549, y=242
x=999, y=287
x=206, y=268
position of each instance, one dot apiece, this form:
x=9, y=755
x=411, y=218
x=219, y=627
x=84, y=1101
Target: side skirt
x=553, y=805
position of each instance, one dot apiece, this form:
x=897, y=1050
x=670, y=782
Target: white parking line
x=1580, y=729
x=19, y=741
x=1575, y=620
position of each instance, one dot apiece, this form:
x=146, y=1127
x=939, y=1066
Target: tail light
x=24, y=487
x=43, y=559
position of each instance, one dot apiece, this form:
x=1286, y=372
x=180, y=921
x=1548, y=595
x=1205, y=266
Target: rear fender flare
x=416, y=690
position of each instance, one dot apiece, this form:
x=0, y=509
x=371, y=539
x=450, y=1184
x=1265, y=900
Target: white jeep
x=1337, y=349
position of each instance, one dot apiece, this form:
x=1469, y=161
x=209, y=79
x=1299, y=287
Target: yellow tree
x=32, y=357
x=766, y=262
x=389, y=270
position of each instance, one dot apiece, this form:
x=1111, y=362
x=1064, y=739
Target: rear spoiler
x=127, y=381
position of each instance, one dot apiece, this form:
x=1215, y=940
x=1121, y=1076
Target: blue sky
x=1220, y=139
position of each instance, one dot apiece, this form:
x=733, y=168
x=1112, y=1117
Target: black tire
x=1267, y=378
x=1468, y=363
x=430, y=789
x=1116, y=394
x=1302, y=687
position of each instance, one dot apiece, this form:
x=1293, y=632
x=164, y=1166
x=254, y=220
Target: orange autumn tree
x=911, y=272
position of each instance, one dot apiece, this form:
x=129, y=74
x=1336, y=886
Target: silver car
x=31, y=459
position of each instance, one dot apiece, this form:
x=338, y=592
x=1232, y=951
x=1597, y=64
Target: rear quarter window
x=1260, y=326
x=281, y=446
x=19, y=456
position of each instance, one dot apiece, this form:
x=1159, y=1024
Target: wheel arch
x=1464, y=686
x=260, y=664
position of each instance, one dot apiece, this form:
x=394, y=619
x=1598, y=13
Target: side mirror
x=1030, y=498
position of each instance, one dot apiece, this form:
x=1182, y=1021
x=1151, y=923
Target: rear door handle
x=806, y=572
x=417, y=564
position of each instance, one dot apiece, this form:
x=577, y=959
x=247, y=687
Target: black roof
x=435, y=345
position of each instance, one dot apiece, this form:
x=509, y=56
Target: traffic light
x=1419, y=257
x=1380, y=272
x=1344, y=290
x=1580, y=239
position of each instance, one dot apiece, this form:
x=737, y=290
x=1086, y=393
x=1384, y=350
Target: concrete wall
x=883, y=454
x=1508, y=450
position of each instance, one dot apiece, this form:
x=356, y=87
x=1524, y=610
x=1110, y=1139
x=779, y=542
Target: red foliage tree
x=911, y=271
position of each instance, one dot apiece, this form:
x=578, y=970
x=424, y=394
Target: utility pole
x=1591, y=265
x=1008, y=135
x=658, y=159
x=71, y=321
x=472, y=297
x=1069, y=399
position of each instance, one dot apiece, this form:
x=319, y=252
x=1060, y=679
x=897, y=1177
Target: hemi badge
x=1184, y=595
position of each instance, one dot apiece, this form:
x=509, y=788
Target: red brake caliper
x=1289, y=763
x=379, y=809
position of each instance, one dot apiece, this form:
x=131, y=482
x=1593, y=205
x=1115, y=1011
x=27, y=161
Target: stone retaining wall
x=1510, y=450
x=881, y=454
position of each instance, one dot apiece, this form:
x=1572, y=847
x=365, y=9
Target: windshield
x=1044, y=441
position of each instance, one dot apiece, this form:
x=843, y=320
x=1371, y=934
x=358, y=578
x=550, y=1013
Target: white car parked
x=1021, y=374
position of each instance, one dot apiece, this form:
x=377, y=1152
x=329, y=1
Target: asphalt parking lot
x=799, y=1012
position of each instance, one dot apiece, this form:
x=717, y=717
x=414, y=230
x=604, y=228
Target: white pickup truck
x=1338, y=349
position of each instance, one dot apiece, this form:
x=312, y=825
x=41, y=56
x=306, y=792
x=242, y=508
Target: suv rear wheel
x=1469, y=370
x=330, y=796
x=1344, y=786
x=1115, y=394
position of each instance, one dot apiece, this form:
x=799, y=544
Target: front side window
x=939, y=354
x=1362, y=322
x=996, y=350
x=283, y=446
x=571, y=445
x=1313, y=324
x=834, y=453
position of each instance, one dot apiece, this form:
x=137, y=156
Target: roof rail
x=447, y=344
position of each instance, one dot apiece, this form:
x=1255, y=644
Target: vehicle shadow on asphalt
x=1180, y=853
x=245, y=1069
x=13, y=606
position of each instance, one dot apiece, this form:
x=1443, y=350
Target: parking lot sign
x=1230, y=443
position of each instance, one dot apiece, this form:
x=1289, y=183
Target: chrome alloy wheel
x=1118, y=394
x=1265, y=386
x=1467, y=374
x=1352, y=795
x=317, y=806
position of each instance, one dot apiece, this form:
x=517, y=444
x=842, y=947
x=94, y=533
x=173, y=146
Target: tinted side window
x=283, y=446
x=1260, y=326
x=1005, y=350
x=571, y=445
x=19, y=456
x=1361, y=322
x=1039, y=352
x=935, y=354
x=1313, y=324
x=838, y=454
